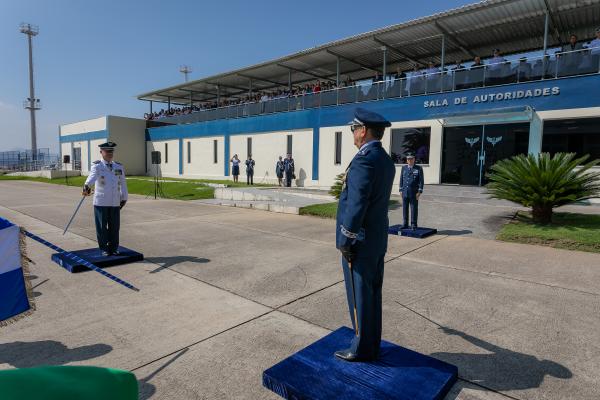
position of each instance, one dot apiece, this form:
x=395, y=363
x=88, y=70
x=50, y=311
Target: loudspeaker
x=66, y=159
x=156, y=157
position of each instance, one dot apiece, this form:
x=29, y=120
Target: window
x=415, y=140
x=338, y=148
x=289, y=144
x=249, y=147
x=166, y=153
x=189, y=152
x=579, y=136
x=215, y=146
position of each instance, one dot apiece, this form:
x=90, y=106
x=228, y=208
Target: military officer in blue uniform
x=362, y=232
x=411, y=187
x=110, y=195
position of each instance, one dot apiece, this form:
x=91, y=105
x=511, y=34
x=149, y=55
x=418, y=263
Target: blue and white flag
x=14, y=300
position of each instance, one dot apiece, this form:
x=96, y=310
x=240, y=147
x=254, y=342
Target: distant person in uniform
x=279, y=168
x=235, y=167
x=110, y=196
x=362, y=232
x=250, y=170
x=411, y=187
x=288, y=168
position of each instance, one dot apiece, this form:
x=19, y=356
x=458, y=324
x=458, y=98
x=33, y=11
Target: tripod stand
x=158, y=192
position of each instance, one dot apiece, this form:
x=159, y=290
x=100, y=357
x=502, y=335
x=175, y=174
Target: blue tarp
x=13, y=292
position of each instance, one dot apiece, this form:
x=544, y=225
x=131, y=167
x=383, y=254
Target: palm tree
x=544, y=182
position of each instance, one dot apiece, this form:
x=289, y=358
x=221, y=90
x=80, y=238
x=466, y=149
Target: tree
x=336, y=188
x=544, y=182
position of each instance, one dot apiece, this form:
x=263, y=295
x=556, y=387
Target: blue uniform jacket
x=411, y=182
x=362, y=214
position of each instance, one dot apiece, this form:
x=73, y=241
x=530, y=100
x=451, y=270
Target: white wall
x=90, y=125
x=130, y=136
x=267, y=147
x=202, y=163
x=170, y=168
x=328, y=170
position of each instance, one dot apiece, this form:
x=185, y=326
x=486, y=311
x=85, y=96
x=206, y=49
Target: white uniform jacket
x=111, y=187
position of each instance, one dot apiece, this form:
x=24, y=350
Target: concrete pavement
x=227, y=292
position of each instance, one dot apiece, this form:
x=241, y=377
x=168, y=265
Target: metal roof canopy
x=514, y=26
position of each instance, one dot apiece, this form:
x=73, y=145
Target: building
x=459, y=117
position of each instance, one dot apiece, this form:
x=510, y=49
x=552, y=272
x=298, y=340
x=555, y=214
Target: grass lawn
x=568, y=231
x=182, y=189
x=327, y=210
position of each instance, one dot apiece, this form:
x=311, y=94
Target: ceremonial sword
x=353, y=298
x=75, y=213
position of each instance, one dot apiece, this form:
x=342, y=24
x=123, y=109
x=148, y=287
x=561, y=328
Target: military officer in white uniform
x=110, y=196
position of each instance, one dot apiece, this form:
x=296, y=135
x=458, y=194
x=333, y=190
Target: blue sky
x=92, y=58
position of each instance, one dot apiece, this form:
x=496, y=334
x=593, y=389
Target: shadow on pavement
x=453, y=232
x=47, y=352
x=500, y=369
x=168, y=262
x=146, y=389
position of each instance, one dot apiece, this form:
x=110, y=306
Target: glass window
x=166, y=153
x=289, y=144
x=338, y=148
x=249, y=147
x=189, y=152
x=579, y=136
x=415, y=140
x=215, y=146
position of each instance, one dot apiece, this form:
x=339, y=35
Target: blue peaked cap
x=369, y=118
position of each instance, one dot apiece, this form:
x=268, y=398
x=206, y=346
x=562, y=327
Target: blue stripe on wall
x=89, y=155
x=180, y=156
x=227, y=158
x=79, y=137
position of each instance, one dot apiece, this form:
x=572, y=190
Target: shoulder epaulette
x=118, y=163
x=96, y=162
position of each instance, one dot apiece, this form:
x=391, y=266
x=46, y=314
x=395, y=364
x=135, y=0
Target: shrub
x=336, y=188
x=544, y=182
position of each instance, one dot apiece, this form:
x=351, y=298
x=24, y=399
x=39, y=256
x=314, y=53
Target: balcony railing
x=558, y=65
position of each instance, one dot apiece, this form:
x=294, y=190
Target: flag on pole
x=15, y=299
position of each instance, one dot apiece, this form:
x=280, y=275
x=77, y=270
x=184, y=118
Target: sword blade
x=75, y=213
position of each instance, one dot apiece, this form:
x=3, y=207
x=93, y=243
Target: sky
x=92, y=58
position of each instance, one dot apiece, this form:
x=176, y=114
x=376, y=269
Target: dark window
x=289, y=144
x=249, y=147
x=166, y=153
x=189, y=152
x=338, y=148
x=579, y=136
x=215, y=145
x=414, y=140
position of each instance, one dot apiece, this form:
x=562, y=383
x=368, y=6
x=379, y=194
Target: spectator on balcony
x=432, y=77
x=523, y=70
x=570, y=57
x=414, y=81
x=594, y=45
x=496, y=68
x=475, y=75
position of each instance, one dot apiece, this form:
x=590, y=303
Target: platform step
x=95, y=257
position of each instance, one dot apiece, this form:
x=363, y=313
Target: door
x=76, y=158
x=469, y=152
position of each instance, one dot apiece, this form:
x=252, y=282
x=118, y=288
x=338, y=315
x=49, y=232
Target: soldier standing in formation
x=110, y=196
x=289, y=167
x=411, y=187
x=250, y=170
x=362, y=232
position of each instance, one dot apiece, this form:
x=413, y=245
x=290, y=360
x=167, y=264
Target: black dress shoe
x=414, y=227
x=115, y=253
x=105, y=253
x=404, y=227
x=347, y=355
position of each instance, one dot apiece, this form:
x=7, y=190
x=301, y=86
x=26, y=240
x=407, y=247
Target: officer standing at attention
x=110, y=196
x=362, y=232
x=411, y=187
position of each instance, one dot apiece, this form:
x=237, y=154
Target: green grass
x=568, y=231
x=183, y=190
x=328, y=210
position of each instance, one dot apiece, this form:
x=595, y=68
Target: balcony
x=548, y=67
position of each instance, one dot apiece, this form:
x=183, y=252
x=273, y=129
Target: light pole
x=32, y=104
x=185, y=70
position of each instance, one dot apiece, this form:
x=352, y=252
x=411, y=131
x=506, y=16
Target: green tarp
x=68, y=383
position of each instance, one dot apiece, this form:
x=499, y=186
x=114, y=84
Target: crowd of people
x=285, y=169
x=573, y=58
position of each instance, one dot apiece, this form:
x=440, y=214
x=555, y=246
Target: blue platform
x=95, y=257
x=419, y=233
x=399, y=374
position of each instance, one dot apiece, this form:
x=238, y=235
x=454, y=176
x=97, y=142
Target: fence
x=25, y=160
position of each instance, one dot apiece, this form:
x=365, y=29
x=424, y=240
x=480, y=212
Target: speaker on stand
x=66, y=162
x=156, y=160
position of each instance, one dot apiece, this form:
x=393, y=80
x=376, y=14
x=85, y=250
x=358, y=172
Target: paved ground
x=226, y=293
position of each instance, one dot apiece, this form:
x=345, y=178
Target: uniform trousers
x=108, y=223
x=412, y=202
x=367, y=271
